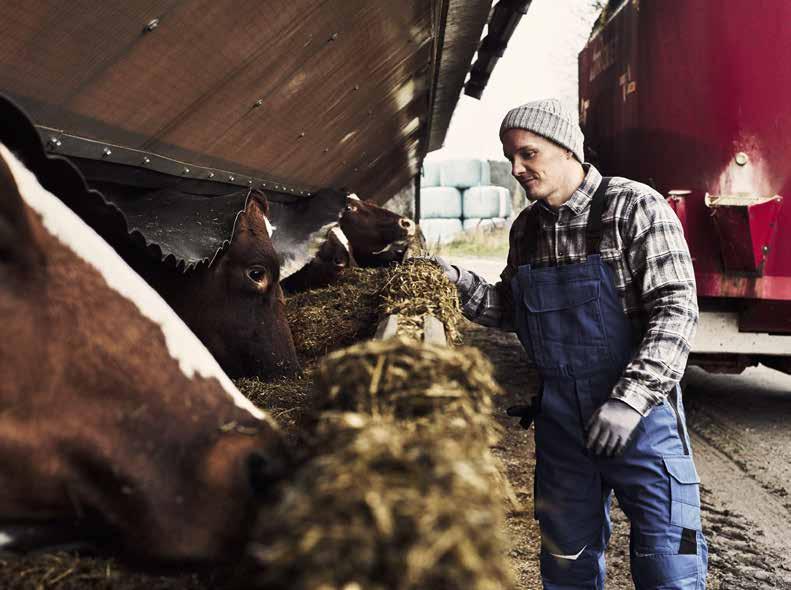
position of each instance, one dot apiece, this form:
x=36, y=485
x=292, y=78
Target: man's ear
x=19, y=250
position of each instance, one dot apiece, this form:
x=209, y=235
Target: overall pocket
x=568, y=313
x=684, y=492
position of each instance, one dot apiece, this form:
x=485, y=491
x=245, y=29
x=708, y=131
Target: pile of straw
x=392, y=506
x=346, y=312
x=419, y=287
x=286, y=398
x=323, y=320
x=68, y=571
x=406, y=380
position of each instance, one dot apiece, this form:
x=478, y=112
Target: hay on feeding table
x=323, y=320
x=406, y=379
x=63, y=570
x=326, y=319
x=391, y=506
x=286, y=398
x=418, y=287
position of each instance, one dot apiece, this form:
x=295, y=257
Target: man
x=600, y=289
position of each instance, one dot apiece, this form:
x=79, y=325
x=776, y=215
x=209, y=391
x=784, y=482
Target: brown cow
x=377, y=236
x=116, y=424
x=235, y=305
x=367, y=236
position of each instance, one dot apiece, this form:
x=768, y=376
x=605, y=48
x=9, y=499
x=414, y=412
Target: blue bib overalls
x=571, y=322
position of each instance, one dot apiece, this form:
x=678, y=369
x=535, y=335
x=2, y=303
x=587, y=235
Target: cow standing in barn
x=233, y=303
x=367, y=236
x=117, y=427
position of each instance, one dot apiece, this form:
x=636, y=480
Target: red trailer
x=692, y=98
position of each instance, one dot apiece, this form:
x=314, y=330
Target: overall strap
x=593, y=231
x=531, y=233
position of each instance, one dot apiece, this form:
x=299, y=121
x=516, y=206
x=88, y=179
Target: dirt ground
x=744, y=459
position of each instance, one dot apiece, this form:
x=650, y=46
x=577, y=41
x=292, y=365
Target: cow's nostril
x=264, y=471
x=407, y=224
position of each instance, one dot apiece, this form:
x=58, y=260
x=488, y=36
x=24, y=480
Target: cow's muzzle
x=408, y=225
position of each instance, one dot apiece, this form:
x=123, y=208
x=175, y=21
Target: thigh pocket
x=684, y=492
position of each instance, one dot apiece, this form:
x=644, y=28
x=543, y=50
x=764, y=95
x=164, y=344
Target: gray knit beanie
x=550, y=119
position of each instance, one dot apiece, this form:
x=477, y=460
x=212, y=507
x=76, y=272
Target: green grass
x=487, y=243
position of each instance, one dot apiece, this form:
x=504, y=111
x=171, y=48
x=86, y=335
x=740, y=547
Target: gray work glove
x=451, y=272
x=611, y=428
x=525, y=413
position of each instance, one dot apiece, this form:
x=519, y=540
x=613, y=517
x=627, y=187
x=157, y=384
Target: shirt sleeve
x=661, y=266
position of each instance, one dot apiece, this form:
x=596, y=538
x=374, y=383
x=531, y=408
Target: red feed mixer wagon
x=692, y=99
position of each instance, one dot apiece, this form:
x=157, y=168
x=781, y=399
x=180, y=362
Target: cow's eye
x=351, y=208
x=257, y=275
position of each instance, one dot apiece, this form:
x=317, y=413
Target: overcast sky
x=540, y=62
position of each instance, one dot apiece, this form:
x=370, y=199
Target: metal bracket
x=57, y=141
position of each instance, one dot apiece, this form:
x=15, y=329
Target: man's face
x=538, y=164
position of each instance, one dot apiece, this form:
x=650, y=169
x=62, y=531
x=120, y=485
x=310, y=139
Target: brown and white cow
x=116, y=424
x=367, y=236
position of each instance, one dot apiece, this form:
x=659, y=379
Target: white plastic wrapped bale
x=485, y=224
x=440, y=231
x=429, y=175
x=500, y=172
x=464, y=173
x=440, y=202
x=486, y=201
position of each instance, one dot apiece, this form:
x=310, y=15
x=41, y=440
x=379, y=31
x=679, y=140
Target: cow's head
x=115, y=421
x=240, y=312
x=377, y=236
x=332, y=258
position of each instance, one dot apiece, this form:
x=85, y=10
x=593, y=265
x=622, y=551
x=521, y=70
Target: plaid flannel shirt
x=643, y=242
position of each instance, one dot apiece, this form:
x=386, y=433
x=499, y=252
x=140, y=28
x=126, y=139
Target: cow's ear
x=18, y=247
x=257, y=203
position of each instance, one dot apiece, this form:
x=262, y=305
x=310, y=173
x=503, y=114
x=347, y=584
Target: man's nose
x=517, y=168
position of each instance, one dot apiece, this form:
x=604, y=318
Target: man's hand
x=451, y=272
x=611, y=427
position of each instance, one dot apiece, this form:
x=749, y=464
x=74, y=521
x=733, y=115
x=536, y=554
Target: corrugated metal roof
x=305, y=93
x=462, y=35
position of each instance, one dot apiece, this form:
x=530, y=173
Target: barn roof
x=293, y=94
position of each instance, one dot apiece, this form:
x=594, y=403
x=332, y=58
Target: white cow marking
x=341, y=237
x=5, y=539
x=270, y=229
x=190, y=353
